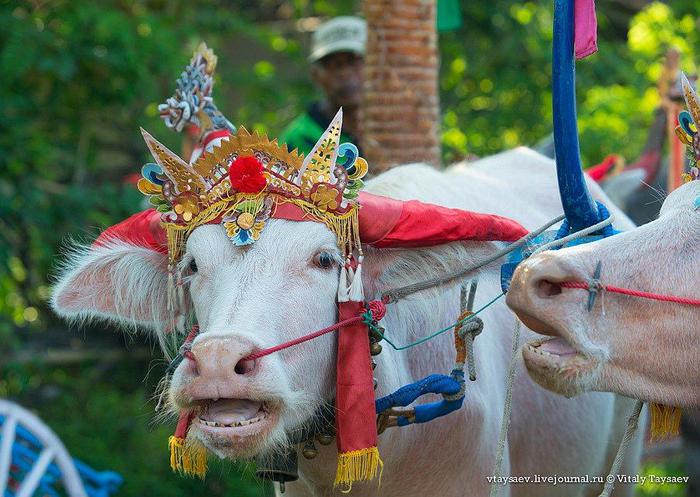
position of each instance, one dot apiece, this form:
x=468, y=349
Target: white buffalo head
x=245, y=298
x=637, y=347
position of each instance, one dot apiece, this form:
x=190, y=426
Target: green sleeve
x=301, y=133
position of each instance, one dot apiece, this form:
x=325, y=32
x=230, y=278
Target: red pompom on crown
x=246, y=173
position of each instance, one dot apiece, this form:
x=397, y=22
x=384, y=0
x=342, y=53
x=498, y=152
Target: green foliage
x=496, y=72
x=655, y=488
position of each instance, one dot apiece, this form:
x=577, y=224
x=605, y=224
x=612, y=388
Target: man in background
x=337, y=60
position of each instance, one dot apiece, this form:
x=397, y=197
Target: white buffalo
x=637, y=347
x=277, y=289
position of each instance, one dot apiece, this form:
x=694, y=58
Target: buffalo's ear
x=117, y=281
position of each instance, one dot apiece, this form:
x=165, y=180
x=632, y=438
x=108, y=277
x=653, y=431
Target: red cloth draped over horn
x=386, y=222
x=142, y=229
x=601, y=172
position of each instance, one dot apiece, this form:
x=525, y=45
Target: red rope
x=185, y=348
x=634, y=293
x=193, y=333
x=377, y=308
x=263, y=352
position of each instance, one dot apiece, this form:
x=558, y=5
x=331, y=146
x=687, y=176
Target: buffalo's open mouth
x=231, y=413
x=235, y=424
x=555, y=353
x=558, y=365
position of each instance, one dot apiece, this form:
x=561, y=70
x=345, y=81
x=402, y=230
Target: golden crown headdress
x=249, y=178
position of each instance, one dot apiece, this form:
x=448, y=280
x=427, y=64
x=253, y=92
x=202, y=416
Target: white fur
x=270, y=292
x=116, y=282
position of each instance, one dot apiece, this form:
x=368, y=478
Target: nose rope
x=376, y=310
x=632, y=293
x=184, y=352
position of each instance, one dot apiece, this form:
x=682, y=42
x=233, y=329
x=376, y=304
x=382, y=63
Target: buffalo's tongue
x=558, y=346
x=230, y=411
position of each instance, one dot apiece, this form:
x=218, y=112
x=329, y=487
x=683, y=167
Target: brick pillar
x=401, y=107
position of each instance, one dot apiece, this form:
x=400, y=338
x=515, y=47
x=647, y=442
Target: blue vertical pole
x=579, y=207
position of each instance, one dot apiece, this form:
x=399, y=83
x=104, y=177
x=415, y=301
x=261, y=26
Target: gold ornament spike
x=208, y=55
x=183, y=177
x=691, y=99
x=318, y=165
x=205, y=122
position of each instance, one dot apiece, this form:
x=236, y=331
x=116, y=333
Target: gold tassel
x=358, y=465
x=189, y=459
x=665, y=421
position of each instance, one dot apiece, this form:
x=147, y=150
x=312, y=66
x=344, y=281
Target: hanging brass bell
x=280, y=467
x=324, y=438
x=378, y=334
x=375, y=348
x=309, y=451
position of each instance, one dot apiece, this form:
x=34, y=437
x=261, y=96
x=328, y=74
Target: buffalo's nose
x=535, y=290
x=222, y=357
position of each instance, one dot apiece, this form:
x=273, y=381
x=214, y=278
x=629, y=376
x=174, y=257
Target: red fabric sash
x=354, y=402
x=356, y=428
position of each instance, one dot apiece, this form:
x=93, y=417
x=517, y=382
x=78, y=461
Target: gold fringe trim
x=358, y=465
x=186, y=458
x=665, y=421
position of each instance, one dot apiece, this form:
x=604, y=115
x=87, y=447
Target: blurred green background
x=79, y=79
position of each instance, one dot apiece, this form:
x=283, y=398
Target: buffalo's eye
x=193, y=266
x=324, y=260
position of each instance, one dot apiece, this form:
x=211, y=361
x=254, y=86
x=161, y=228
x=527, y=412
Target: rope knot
x=377, y=309
x=595, y=285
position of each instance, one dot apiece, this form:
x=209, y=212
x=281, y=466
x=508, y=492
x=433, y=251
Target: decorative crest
x=687, y=129
x=192, y=103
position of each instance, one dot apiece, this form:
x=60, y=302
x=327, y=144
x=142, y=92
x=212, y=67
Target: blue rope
x=451, y=387
x=603, y=213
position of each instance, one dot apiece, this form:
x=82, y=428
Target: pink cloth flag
x=585, y=28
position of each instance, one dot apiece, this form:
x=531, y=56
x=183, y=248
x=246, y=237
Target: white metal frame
x=53, y=451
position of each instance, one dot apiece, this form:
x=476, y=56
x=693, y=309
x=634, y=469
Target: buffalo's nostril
x=244, y=366
x=548, y=289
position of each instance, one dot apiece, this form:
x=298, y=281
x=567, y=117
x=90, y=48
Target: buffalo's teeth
x=235, y=424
